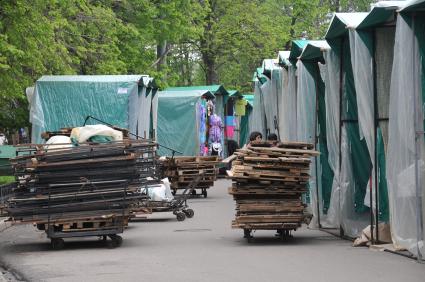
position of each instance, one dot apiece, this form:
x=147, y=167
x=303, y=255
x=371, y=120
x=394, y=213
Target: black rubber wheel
x=193, y=192
x=189, y=213
x=247, y=234
x=57, y=243
x=41, y=226
x=205, y=193
x=180, y=216
x=174, y=192
x=115, y=241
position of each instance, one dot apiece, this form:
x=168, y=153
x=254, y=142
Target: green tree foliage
x=179, y=42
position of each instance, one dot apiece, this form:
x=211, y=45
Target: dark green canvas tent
x=405, y=169
x=354, y=162
x=179, y=121
x=312, y=115
x=66, y=100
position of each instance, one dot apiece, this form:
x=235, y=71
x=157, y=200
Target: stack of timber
x=268, y=183
x=181, y=171
x=88, y=187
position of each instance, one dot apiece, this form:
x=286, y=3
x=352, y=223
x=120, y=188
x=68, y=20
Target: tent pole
x=418, y=133
x=341, y=68
x=375, y=143
x=316, y=140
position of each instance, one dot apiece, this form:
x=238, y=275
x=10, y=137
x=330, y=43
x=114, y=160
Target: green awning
x=186, y=93
x=297, y=47
x=341, y=21
x=214, y=89
x=314, y=50
x=283, y=58
x=249, y=98
x=268, y=66
x=414, y=5
x=233, y=93
x=259, y=76
x=66, y=100
x=381, y=13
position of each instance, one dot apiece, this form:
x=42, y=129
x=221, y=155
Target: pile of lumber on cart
x=268, y=183
x=183, y=170
x=88, y=184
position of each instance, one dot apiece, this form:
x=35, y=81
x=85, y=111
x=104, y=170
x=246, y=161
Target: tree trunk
x=161, y=55
x=211, y=76
x=291, y=32
x=209, y=60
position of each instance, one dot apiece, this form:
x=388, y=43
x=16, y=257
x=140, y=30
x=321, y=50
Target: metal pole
x=375, y=143
x=340, y=130
x=418, y=133
x=316, y=140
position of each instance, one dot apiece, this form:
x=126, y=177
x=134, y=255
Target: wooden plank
x=296, y=151
x=229, y=159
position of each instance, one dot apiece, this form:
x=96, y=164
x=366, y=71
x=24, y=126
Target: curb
x=4, y=225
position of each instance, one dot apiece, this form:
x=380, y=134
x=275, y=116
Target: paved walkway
x=203, y=248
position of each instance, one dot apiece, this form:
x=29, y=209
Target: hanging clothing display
x=215, y=128
x=202, y=112
x=240, y=106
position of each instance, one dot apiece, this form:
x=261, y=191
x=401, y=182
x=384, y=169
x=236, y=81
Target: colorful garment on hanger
x=230, y=131
x=215, y=128
x=240, y=106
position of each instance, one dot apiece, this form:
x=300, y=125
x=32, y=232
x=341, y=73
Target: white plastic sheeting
x=284, y=110
x=306, y=120
x=352, y=222
x=276, y=99
x=362, y=64
x=155, y=114
x=257, y=122
x=289, y=101
x=332, y=98
x=270, y=92
x=404, y=96
x=268, y=102
x=384, y=55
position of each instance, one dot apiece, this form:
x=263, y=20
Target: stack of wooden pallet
x=86, y=185
x=183, y=170
x=268, y=183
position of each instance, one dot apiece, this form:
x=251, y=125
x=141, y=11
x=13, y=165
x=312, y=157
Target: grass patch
x=6, y=179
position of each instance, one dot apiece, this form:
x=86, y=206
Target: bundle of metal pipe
x=89, y=180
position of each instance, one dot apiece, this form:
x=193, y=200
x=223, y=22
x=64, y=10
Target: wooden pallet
x=268, y=183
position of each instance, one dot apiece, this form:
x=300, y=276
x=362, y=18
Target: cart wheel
x=247, y=234
x=180, y=216
x=115, y=241
x=57, y=243
x=205, y=193
x=189, y=213
x=193, y=192
x=41, y=226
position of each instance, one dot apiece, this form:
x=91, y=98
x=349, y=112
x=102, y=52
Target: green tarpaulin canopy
x=283, y=58
x=414, y=5
x=341, y=21
x=66, y=100
x=382, y=12
x=178, y=121
x=297, y=48
x=314, y=51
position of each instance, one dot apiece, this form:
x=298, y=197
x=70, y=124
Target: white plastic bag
x=82, y=134
x=64, y=141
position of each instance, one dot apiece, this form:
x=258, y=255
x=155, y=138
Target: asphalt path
x=203, y=248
